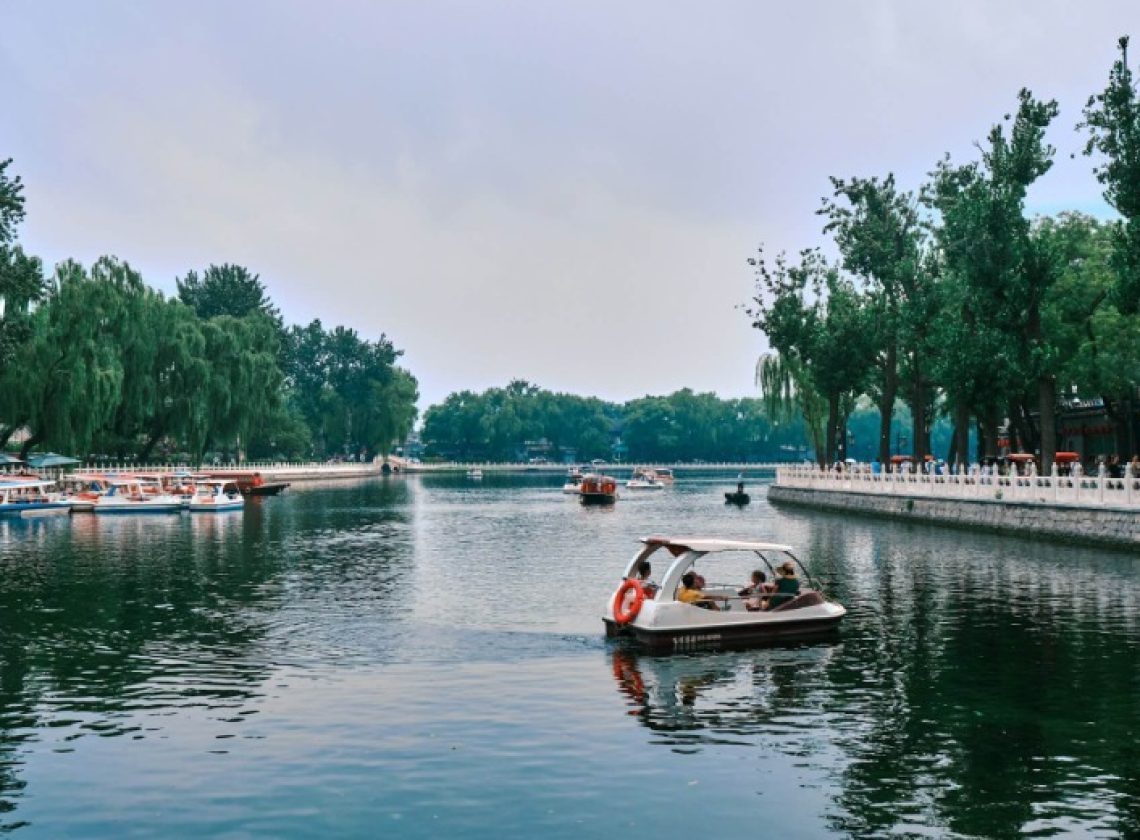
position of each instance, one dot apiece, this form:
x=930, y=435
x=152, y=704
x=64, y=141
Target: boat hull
x=269, y=489
x=737, y=498
x=597, y=498
x=30, y=509
x=215, y=507
x=140, y=507
x=667, y=640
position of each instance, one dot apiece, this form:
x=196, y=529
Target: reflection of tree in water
x=104, y=618
x=983, y=698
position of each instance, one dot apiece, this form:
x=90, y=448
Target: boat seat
x=810, y=598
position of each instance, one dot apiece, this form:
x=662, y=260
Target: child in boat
x=756, y=592
x=645, y=578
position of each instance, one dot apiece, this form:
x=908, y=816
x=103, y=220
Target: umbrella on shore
x=50, y=459
x=6, y=459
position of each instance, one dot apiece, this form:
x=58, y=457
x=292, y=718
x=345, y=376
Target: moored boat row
x=119, y=494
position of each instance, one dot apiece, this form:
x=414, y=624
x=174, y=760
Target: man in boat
x=757, y=592
x=690, y=593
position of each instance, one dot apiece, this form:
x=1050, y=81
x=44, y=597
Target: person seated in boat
x=787, y=585
x=756, y=592
x=690, y=593
x=645, y=578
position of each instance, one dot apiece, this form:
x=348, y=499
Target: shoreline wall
x=1108, y=526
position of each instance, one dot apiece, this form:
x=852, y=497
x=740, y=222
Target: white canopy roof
x=710, y=544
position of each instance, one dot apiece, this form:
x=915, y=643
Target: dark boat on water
x=269, y=488
x=737, y=498
x=598, y=489
x=252, y=484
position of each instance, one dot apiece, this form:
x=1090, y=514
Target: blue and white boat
x=31, y=497
x=216, y=496
x=127, y=495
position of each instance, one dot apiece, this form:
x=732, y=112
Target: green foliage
x=350, y=391
x=509, y=423
x=816, y=319
x=1112, y=118
x=65, y=381
x=21, y=276
x=226, y=290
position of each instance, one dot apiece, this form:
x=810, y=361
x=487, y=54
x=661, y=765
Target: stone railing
x=1054, y=489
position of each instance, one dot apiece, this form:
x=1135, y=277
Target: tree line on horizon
x=950, y=299
x=95, y=362
x=523, y=420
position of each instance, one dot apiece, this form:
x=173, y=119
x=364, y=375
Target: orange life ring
x=621, y=614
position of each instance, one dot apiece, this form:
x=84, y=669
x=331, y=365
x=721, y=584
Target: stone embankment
x=1106, y=525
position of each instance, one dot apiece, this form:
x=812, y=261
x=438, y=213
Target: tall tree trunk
x=887, y=404
x=962, y=431
x=952, y=454
x=1019, y=424
x=990, y=431
x=1047, y=411
x=832, y=423
x=918, y=414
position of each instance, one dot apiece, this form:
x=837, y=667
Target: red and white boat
x=657, y=618
x=598, y=489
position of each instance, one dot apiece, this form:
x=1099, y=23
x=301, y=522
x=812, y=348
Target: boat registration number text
x=695, y=640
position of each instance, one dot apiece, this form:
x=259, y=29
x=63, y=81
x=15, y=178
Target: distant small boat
x=598, y=489
x=644, y=478
x=476, y=474
x=737, y=498
x=573, y=483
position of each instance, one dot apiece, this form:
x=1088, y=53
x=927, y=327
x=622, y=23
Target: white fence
x=1055, y=489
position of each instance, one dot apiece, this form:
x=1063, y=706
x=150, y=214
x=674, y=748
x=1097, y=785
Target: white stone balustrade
x=1098, y=491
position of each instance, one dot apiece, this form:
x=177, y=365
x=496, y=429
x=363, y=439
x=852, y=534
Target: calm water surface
x=424, y=657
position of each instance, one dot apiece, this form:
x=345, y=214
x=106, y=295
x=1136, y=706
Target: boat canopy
x=705, y=545
x=24, y=484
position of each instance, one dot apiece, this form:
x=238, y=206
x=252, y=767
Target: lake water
x=424, y=657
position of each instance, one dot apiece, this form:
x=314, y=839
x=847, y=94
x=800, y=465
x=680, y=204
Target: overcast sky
x=563, y=192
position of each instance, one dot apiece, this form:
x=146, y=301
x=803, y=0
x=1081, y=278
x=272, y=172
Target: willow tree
x=787, y=392
x=178, y=372
x=66, y=379
x=816, y=317
x=242, y=387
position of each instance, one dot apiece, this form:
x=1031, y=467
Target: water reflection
x=978, y=687
x=721, y=698
x=982, y=692
x=109, y=624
